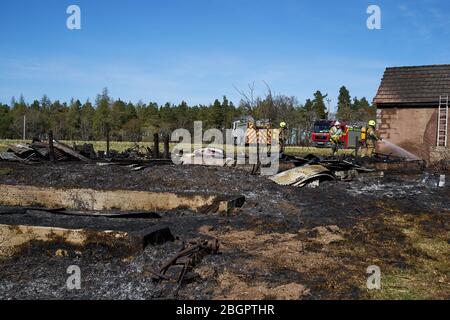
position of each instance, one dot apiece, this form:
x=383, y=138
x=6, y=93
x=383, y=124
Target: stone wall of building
x=437, y=154
x=414, y=129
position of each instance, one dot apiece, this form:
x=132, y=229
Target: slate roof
x=414, y=85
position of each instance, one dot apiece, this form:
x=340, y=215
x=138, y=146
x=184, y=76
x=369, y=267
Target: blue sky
x=199, y=50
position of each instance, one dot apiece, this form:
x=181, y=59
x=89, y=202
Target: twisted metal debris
x=190, y=255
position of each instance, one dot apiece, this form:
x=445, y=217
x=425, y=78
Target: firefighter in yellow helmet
x=371, y=138
x=336, y=134
x=283, y=137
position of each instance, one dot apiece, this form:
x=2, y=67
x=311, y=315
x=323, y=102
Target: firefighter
x=362, y=143
x=336, y=134
x=371, y=138
x=283, y=137
x=363, y=137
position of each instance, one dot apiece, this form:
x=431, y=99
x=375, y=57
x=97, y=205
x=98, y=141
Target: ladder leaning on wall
x=442, y=132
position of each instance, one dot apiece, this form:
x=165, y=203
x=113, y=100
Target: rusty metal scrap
x=190, y=255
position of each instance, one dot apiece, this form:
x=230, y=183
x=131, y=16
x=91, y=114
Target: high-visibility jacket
x=336, y=134
x=372, y=134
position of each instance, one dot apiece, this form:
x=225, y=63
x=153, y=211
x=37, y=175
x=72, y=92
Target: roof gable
x=414, y=85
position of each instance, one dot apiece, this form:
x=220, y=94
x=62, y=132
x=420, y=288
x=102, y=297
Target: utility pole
x=24, y=127
x=329, y=108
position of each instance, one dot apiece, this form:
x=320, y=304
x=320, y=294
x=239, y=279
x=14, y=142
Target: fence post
x=156, y=146
x=166, y=146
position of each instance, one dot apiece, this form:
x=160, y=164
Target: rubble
x=41, y=151
x=58, y=151
x=312, y=170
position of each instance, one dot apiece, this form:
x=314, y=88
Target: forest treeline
x=127, y=121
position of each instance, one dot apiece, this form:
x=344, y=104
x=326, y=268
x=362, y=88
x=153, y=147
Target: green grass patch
x=430, y=276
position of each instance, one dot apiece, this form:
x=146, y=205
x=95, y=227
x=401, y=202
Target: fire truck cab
x=321, y=133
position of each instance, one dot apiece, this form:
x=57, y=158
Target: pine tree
x=74, y=120
x=102, y=118
x=319, y=106
x=216, y=118
x=344, y=109
x=5, y=121
x=87, y=114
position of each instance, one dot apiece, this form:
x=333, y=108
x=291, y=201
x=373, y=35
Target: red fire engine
x=321, y=133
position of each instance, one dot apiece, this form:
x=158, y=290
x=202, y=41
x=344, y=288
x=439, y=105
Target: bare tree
x=255, y=107
x=248, y=100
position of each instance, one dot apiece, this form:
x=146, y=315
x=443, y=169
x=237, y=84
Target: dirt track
x=284, y=243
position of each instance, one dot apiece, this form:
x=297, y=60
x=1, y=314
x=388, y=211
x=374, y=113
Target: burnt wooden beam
x=166, y=147
x=51, y=147
x=156, y=153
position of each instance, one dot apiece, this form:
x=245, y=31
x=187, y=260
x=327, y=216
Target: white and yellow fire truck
x=247, y=131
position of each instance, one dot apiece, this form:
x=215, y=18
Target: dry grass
x=122, y=146
x=303, y=151
x=98, y=145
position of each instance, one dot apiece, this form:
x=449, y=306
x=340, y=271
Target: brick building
x=410, y=102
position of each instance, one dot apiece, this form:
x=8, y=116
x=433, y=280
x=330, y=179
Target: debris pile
x=58, y=151
x=41, y=151
x=311, y=171
x=136, y=152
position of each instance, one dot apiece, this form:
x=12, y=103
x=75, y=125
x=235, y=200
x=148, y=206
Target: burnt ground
x=284, y=243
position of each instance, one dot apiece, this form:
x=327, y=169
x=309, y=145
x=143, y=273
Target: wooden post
x=156, y=146
x=24, y=127
x=51, y=147
x=166, y=146
x=107, y=140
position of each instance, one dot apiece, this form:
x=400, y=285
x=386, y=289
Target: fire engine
x=321, y=133
x=248, y=131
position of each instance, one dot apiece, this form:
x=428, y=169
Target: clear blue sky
x=199, y=50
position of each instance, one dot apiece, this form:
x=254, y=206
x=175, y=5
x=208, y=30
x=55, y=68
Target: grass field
x=122, y=146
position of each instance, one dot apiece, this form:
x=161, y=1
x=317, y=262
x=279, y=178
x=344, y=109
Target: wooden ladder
x=442, y=132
